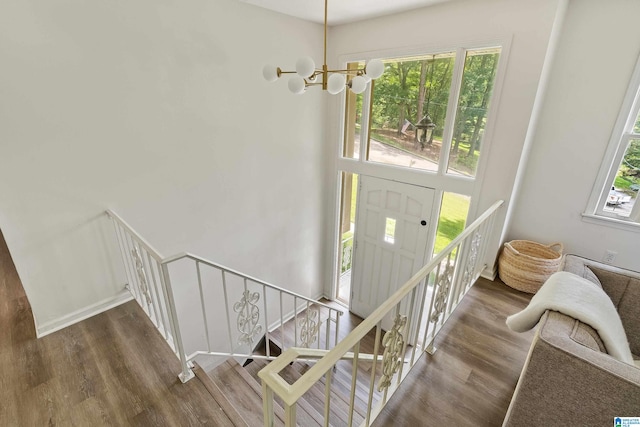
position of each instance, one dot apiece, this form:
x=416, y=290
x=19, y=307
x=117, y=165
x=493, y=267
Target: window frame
x=620, y=140
x=461, y=183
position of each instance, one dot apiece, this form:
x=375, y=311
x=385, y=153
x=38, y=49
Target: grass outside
x=453, y=216
x=452, y=220
x=623, y=183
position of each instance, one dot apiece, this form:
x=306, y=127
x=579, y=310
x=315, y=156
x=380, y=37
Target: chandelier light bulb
x=336, y=83
x=305, y=67
x=374, y=68
x=296, y=85
x=358, y=84
x=270, y=73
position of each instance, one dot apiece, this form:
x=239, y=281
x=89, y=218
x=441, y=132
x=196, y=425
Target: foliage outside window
x=409, y=109
x=619, y=183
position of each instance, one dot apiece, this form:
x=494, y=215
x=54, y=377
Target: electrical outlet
x=609, y=256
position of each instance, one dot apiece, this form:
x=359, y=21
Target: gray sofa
x=568, y=377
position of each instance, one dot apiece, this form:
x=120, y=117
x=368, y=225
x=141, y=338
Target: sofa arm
x=566, y=383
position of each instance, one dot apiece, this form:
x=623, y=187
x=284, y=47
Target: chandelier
x=333, y=81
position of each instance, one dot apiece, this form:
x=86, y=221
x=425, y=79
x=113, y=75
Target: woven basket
x=526, y=265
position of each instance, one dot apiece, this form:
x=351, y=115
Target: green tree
x=475, y=93
x=631, y=162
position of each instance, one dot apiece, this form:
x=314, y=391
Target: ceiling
x=340, y=11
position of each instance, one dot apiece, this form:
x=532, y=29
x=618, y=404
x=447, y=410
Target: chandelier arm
x=358, y=72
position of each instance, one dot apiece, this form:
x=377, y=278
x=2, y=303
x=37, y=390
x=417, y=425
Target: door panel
x=390, y=240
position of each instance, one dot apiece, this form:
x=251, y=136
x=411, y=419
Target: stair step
x=241, y=393
x=220, y=397
x=307, y=414
x=313, y=401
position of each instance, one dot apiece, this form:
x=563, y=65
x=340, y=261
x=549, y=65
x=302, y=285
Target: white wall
x=598, y=49
x=527, y=26
x=158, y=111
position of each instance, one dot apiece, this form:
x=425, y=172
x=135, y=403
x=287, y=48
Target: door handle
x=423, y=222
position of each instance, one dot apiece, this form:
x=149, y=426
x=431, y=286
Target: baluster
x=116, y=228
x=226, y=307
x=337, y=328
x=407, y=329
x=372, y=382
x=327, y=396
x=295, y=321
x=146, y=267
x=163, y=316
x=429, y=346
x=186, y=374
x=134, y=280
x=202, y=306
x=284, y=346
x=267, y=405
x=454, y=279
x=308, y=329
x=290, y=415
x=354, y=379
x=141, y=276
x=416, y=335
x=266, y=321
x=327, y=331
x=319, y=327
x=129, y=271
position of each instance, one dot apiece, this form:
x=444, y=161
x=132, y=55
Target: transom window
x=424, y=112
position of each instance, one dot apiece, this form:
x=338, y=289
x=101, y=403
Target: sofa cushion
x=577, y=266
x=587, y=336
x=624, y=291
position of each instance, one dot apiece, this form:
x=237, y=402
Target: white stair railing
x=412, y=317
x=232, y=312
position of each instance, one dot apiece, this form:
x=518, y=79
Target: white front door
x=391, y=236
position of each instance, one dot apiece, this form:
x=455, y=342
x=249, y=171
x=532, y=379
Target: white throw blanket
x=583, y=300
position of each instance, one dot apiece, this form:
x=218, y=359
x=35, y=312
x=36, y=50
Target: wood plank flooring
x=113, y=369
x=470, y=379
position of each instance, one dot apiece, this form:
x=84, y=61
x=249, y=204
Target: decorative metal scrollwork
x=308, y=328
x=393, y=343
x=443, y=284
x=472, y=260
x=142, y=275
x=248, y=317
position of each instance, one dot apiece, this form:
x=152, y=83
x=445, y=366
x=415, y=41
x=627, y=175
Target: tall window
x=616, y=190
x=425, y=112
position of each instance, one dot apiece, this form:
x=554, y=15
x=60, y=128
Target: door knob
x=423, y=222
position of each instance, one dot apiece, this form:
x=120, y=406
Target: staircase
x=322, y=373
x=238, y=389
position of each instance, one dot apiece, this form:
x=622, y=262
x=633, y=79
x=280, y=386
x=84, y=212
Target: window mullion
x=452, y=107
x=365, y=122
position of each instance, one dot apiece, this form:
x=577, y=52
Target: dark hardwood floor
x=112, y=369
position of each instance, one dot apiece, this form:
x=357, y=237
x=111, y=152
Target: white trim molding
x=82, y=314
x=621, y=136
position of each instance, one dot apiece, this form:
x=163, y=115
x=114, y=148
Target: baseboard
x=490, y=273
x=82, y=314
